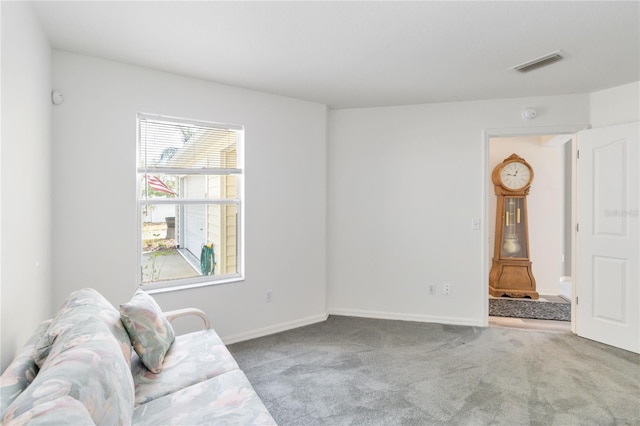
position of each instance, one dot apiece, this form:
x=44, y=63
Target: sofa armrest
x=171, y=315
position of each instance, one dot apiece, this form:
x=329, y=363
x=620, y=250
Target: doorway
x=550, y=203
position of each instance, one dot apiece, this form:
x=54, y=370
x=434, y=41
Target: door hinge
x=578, y=154
x=577, y=227
x=577, y=300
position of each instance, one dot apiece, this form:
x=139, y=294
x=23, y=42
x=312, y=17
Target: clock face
x=515, y=175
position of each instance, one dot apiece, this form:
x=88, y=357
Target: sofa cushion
x=22, y=370
x=61, y=411
x=150, y=332
x=228, y=399
x=80, y=306
x=86, y=363
x=192, y=358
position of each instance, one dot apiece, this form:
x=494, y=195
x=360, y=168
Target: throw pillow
x=150, y=332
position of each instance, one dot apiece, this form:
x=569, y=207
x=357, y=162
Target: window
x=189, y=202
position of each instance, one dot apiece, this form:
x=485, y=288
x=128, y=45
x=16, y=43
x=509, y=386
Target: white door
x=195, y=228
x=195, y=215
x=608, y=253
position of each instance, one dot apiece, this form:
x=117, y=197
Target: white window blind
x=186, y=148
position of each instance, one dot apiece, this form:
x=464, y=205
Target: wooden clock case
x=511, y=274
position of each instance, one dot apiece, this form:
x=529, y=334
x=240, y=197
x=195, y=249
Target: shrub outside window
x=190, y=177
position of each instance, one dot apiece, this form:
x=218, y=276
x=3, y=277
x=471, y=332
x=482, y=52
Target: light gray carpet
x=356, y=371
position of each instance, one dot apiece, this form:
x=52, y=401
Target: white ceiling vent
x=540, y=62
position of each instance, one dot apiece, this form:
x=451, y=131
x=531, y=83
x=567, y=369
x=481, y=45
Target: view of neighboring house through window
x=189, y=201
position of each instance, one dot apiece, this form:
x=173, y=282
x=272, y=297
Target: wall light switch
x=475, y=224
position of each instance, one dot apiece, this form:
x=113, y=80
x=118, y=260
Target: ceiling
x=348, y=54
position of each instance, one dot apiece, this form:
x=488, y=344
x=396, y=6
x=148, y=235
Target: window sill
x=168, y=288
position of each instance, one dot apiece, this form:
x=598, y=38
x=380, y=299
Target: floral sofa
x=94, y=364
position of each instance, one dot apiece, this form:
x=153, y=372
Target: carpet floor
x=357, y=371
x=556, y=309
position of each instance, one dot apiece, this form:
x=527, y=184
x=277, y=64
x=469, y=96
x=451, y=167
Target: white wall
x=405, y=183
x=616, y=105
x=94, y=166
x=545, y=203
x=26, y=177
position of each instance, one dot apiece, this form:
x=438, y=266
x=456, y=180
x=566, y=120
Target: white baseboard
x=290, y=325
x=409, y=317
x=277, y=328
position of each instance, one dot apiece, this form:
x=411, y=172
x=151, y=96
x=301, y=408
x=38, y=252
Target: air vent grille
x=540, y=62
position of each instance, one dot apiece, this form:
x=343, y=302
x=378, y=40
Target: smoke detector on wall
x=529, y=113
x=56, y=97
x=540, y=62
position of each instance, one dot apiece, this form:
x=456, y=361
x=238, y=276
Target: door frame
x=487, y=187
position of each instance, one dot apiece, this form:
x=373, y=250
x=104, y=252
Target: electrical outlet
x=432, y=289
x=268, y=297
x=446, y=289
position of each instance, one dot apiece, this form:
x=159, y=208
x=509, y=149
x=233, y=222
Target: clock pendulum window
x=511, y=273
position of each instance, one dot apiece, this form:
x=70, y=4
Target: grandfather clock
x=511, y=273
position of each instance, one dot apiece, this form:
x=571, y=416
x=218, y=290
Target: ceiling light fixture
x=540, y=62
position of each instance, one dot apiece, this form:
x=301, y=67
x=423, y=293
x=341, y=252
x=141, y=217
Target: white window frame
x=199, y=281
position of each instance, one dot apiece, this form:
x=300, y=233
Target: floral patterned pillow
x=150, y=332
